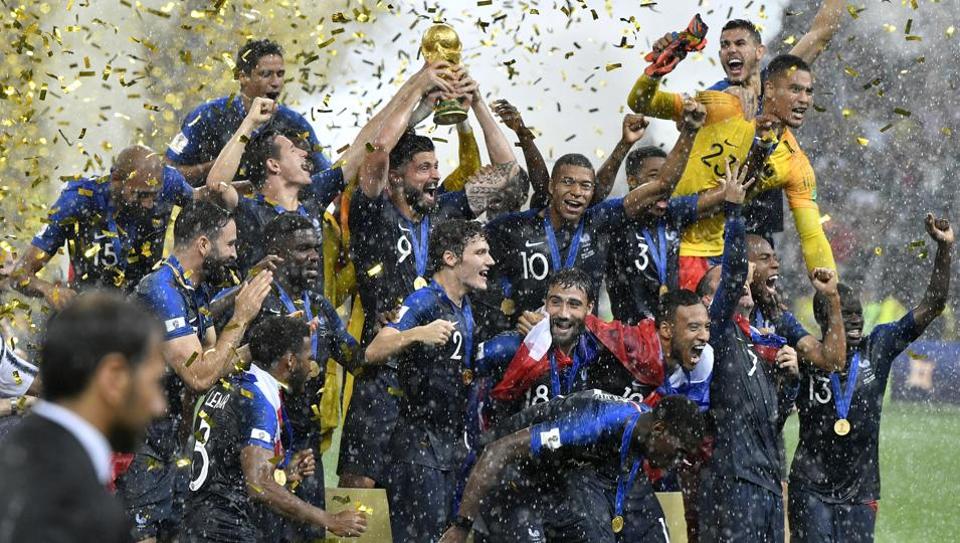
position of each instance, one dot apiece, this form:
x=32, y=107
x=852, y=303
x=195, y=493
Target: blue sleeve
x=608, y=213
x=185, y=146
x=733, y=273
x=326, y=185
x=790, y=328
x=682, y=211
x=579, y=427
x=699, y=394
x=70, y=207
x=417, y=309
x=887, y=341
x=339, y=329
x=263, y=421
x=456, y=202
x=175, y=188
x=495, y=354
x=168, y=305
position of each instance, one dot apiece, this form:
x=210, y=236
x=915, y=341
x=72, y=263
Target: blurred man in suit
x=102, y=369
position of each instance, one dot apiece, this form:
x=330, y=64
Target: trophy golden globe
x=441, y=42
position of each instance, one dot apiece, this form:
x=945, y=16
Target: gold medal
x=419, y=283
x=617, y=524
x=841, y=427
x=467, y=376
x=314, y=369
x=664, y=289
x=280, y=477
x=508, y=307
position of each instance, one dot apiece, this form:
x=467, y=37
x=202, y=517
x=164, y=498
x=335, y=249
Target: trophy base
x=449, y=112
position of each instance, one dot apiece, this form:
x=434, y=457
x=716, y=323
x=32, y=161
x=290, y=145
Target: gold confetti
x=878, y=251
x=914, y=38
x=901, y=111
x=192, y=359
x=183, y=462
x=950, y=31
x=16, y=378
x=863, y=141
x=613, y=66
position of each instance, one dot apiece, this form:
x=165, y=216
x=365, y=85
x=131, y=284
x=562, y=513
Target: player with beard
x=433, y=341
x=741, y=53
x=753, y=375
x=529, y=245
x=207, y=129
x=769, y=317
x=391, y=217
x=293, y=239
x=729, y=136
x=594, y=444
x=835, y=476
x=113, y=227
x=244, y=453
x=178, y=293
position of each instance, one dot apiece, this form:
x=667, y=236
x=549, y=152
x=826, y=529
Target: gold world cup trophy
x=441, y=42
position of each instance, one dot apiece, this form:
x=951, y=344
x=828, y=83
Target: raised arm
x=536, y=166
x=390, y=341
x=831, y=353
x=499, y=149
x=376, y=163
x=643, y=196
x=826, y=23
x=468, y=158
x=225, y=167
x=484, y=477
x=734, y=268
x=935, y=298
x=634, y=126
x=646, y=98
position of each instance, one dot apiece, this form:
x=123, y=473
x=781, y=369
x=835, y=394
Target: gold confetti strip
x=863, y=141
x=192, y=359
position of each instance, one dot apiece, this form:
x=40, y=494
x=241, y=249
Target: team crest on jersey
x=175, y=323
x=551, y=439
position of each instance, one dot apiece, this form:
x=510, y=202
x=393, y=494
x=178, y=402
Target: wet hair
x=274, y=337
x=703, y=286
x=407, y=146
x=682, y=419
x=821, y=305
x=454, y=236
x=281, y=228
x=75, y=341
x=669, y=302
x=571, y=278
x=261, y=147
x=250, y=54
x=734, y=24
x=637, y=157
x=571, y=159
x=199, y=218
x=782, y=64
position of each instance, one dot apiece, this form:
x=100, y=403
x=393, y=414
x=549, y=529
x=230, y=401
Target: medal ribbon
x=420, y=243
x=658, y=252
x=302, y=211
x=555, y=251
x=287, y=302
x=558, y=388
x=624, y=484
x=842, y=401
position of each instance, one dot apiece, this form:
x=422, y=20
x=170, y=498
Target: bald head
x=136, y=177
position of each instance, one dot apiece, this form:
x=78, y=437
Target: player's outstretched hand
x=508, y=115
x=528, y=320
x=787, y=361
x=735, y=186
x=436, y=333
x=302, y=465
x=939, y=229
x=634, y=126
x=824, y=280
x=454, y=534
x=663, y=42
x=347, y=523
x=250, y=297
x=693, y=116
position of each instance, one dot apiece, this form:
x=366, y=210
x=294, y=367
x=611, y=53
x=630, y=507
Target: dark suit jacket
x=49, y=490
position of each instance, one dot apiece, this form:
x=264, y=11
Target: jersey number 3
x=200, y=447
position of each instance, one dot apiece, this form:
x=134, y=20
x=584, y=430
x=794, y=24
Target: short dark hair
x=683, y=420
x=733, y=24
x=821, y=305
x=199, y=218
x=637, y=157
x=572, y=278
x=250, y=54
x=282, y=227
x=703, y=285
x=669, y=302
x=260, y=148
x=571, y=159
x=76, y=340
x=407, y=146
x=453, y=236
x=275, y=336
x=782, y=64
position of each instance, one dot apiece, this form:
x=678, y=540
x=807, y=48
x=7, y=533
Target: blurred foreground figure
x=99, y=395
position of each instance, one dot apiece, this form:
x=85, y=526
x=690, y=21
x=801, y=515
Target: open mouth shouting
x=735, y=68
x=696, y=353
x=573, y=207
x=771, y=284
x=797, y=114
x=430, y=192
